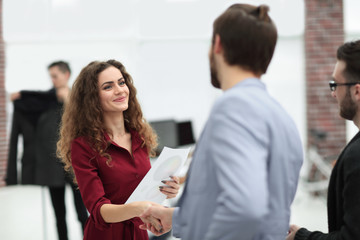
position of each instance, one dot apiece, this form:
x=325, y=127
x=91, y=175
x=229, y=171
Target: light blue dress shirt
x=244, y=172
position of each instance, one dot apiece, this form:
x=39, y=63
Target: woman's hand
x=172, y=187
x=15, y=96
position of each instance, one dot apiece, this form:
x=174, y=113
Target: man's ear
x=68, y=75
x=217, y=45
x=357, y=92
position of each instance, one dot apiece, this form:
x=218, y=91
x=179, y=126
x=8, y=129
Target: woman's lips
x=120, y=99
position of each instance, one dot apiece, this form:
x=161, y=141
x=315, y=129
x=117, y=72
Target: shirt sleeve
x=304, y=234
x=238, y=148
x=90, y=184
x=176, y=226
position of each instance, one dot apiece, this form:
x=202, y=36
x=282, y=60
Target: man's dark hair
x=63, y=66
x=248, y=36
x=350, y=53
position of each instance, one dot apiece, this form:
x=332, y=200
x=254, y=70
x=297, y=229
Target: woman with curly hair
x=106, y=142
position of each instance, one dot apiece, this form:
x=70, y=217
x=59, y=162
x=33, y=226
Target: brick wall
x=3, y=138
x=324, y=32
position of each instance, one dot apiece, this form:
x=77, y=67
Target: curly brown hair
x=83, y=115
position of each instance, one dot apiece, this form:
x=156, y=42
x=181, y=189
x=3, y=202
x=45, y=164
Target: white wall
x=163, y=43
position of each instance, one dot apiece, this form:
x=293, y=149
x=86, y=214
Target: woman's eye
x=107, y=87
x=122, y=83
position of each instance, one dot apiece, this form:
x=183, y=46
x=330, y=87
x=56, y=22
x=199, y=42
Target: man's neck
x=60, y=87
x=356, y=120
x=232, y=75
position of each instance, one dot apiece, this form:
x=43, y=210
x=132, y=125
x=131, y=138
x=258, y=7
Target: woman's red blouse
x=100, y=184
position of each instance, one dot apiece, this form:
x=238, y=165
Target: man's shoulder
x=251, y=99
x=353, y=148
x=351, y=154
x=241, y=97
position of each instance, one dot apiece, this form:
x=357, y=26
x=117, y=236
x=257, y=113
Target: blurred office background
x=164, y=44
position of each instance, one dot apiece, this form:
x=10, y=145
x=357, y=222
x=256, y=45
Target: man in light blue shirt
x=245, y=169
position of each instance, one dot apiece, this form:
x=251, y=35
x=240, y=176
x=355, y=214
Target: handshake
x=157, y=219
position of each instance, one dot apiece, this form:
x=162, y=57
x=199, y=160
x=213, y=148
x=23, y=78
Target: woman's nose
x=117, y=89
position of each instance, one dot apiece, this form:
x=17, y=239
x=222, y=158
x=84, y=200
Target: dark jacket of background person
x=49, y=169
x=343, y=198
x=22, y=124
x=38, y=115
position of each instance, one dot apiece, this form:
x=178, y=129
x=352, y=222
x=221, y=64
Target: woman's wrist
x=138, y=207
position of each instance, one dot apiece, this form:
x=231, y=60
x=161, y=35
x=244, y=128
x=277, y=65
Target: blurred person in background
x=48, y=168
x=246, y=165
x=343, y=203
x=106, y=142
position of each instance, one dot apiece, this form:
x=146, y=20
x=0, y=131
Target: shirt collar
x=250, y=82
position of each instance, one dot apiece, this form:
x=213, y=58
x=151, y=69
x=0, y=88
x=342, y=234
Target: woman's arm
x=112, y=213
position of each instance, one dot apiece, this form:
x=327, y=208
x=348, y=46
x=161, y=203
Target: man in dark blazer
x=48, y=168
x=344, y=187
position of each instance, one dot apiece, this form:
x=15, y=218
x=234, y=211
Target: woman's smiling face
x=113, y=91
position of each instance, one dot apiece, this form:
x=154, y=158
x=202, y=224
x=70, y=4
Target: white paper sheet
x=169, y=163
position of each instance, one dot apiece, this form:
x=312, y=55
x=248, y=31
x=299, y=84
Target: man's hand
x=15, y=96
x=163, y=214
x=292, y=231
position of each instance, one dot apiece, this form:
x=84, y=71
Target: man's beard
x=213, y=72
x=348, y=108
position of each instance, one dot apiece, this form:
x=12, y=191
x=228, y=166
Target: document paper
x=169, y=163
